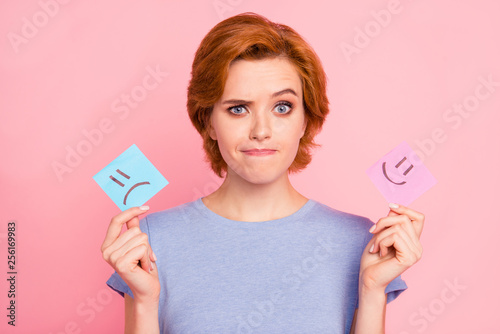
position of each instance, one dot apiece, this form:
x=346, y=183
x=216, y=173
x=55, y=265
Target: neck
x=238, y=199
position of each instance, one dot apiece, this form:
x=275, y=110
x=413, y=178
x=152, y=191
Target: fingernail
x=372, y=228
x=371, y=248
x=144, y=207
x=393, y=206
x=154, y=257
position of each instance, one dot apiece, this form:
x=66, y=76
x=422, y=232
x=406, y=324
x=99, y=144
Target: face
x=261, y=109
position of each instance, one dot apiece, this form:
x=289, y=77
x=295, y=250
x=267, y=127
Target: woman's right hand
x=131, y=255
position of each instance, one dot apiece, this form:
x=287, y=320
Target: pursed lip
x=256, y=151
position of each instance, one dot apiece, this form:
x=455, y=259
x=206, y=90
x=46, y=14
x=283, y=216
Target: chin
x=260, y=180
x=262, y=176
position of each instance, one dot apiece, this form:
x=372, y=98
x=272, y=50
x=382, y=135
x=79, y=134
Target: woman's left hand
x=396, y=247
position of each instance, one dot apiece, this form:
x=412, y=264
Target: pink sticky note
x=401, y=176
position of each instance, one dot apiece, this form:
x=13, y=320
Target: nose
x=261, y=127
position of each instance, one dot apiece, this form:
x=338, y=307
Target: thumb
x=135, y=220
x=391, y=212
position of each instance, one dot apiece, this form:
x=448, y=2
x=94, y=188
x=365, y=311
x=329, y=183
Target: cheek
x=289, y=130
x=229, y=137
x=220, y=126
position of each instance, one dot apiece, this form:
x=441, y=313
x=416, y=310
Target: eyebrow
x=281, y=92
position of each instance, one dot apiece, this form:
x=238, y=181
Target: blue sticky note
x=131, y=179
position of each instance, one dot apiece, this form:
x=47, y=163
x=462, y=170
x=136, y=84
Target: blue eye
x=283, y=108
x=237, y=110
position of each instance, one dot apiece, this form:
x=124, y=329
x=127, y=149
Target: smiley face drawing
x=400, y=175
x=131, y=179
x=384, y=170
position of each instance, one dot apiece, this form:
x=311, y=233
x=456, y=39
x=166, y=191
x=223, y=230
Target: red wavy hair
x=251, y=36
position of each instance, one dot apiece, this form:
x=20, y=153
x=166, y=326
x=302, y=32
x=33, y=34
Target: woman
x=256, y=256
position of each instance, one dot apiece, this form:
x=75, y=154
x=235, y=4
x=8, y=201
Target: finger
x=138, y=240
x=120, y=242
x=407, y=227
x=399, y=229
x=145, y=261
x=389, y=242
x=130, y=261
x=415, y=216
x=152, y=255
x=403, y=253
x=386, y=222
x=391, y=213
x=410, y=229
x=115, y=227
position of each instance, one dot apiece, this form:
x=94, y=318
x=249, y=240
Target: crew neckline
x=220, y=219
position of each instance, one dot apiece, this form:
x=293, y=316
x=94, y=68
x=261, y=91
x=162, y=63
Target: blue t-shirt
x=297, y=274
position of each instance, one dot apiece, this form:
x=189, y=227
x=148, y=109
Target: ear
x=211, y=130
x=304, y=127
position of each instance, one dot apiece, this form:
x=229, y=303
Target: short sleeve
x=115, y=282
x=395, y=288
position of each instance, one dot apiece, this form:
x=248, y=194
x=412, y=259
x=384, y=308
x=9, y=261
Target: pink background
x=69, y=72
